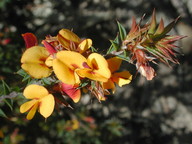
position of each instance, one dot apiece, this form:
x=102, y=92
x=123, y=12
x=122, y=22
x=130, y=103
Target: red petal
x=71, y=91
x=49, y=47
x=30, y=40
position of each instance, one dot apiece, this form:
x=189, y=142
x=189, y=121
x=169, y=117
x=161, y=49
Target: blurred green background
x=143, y=112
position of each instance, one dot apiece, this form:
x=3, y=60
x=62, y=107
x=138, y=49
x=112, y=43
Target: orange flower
x=33, y=62
x=65, y=65
x=72, y=42
x=120, y=78
x=41, y=98
x=96, y=68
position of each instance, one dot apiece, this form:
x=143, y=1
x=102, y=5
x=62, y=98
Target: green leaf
x=115, y=45
x=125, y=56
x=6, y=88
x=2, y=114
x=122, y=31
x=46, y=81
x=25, y=75
x=9, y=102
x=21, y=72
x=83, y=84
x=26, y=78
x=93, y=49
x=169, y=27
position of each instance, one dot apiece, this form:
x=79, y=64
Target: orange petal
x=32, y=112
x=64, y=42
x=114, y=63
x=71, y=91
x=69, y=35
x=91, y=75
x=122, y=78
x=27, y=105
x=30, y=40
x=99, y=65
x=47, y=105
x=84, y=45
x=109, y=85
x=63, y=73
x=33, y=62
x=34, y=91
x=35, y=54
x=36, y=70
x=49, y=61
x=71, y=59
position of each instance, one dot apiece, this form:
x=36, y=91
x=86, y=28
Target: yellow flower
x=72, y=42
x=33, y=62
x=41, y=98
x=72, y=125
x=120, y=78
x=96, y=68
x=65, y=65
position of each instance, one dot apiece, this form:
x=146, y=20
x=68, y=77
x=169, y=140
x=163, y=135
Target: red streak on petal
x=75, y=66
x=85, y=65
x=92, y=72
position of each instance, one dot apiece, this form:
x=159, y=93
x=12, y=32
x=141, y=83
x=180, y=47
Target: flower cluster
x=74, y=67
x=68, y=61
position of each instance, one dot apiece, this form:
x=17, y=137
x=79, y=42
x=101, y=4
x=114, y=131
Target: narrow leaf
x=2, y=114
x=153, y=23
x=9, y=102
x=122, y=31
x=6, y=88
x=169, y=27
x=160, y=28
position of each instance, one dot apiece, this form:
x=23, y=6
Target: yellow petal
x=71, y=59
x=69, y=35
x=35, y=92
x=27, y=106
x=122, y=78
x=33, y=62
x=32, y=112
x=49, y=61
x=36, y=70
x=84, y=45
x=47, y=105
x=99, y=65
x=77, y=78
x=75, y=124
x=114, y=64
x=35, y=54
x=64, y=42
x=91, y=75
x=63, y=73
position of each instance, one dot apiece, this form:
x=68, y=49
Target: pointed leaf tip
x=153, y=23
x=160, y=28
x=122, y=31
